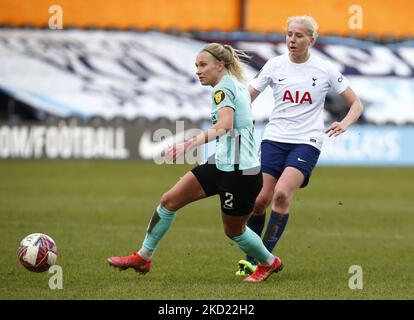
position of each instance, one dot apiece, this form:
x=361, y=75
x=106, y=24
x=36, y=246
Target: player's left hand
x=336, y=128
x=175, y=151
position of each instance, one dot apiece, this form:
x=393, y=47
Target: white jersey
x=299, y=91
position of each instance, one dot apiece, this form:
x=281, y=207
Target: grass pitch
x=93, y=210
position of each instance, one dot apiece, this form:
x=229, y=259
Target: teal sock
x=253, y=246
x=158, y=226
x=256, y=223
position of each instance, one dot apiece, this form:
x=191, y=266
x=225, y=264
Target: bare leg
x=234, y=226
x=265, y=195
x=288, y=183
x=185, y=191
x=248, y=241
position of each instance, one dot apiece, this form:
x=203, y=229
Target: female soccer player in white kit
x=293, y=137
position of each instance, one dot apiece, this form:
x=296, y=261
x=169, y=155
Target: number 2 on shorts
x=229, y=201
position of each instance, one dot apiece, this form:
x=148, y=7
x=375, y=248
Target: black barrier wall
x=95, y=139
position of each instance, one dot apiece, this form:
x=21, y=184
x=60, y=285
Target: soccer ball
x=37, y=252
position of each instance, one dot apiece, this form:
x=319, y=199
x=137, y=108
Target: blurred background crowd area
x=129, y=64
x=384, y=20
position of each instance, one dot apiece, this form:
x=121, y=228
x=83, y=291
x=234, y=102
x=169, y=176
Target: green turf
x=347, y=216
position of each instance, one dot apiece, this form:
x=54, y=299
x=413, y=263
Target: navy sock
x=256, y=223
x=275, y=227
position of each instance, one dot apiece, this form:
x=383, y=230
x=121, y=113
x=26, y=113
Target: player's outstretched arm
x=223, y=125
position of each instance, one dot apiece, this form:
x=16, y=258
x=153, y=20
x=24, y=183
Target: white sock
x=270, y=260
x=145, y=253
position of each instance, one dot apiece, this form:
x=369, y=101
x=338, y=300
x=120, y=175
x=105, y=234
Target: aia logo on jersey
x=297, y=97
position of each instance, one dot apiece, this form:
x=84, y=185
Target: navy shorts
x=276, y=156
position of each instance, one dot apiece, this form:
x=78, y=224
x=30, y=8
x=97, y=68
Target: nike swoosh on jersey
x=149, y=149
x=280, y=80
x=301, y=160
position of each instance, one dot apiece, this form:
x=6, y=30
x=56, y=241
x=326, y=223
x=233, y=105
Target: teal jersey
x=235, y=149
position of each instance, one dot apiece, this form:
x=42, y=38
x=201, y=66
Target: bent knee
x=281, y=199
x=260, y=205
x=281, y=196
x=232, y=232
x=168, y=202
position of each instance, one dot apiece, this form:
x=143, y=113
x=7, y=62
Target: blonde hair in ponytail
x=232, y=58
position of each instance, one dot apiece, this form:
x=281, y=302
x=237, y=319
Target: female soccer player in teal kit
x=234, y=174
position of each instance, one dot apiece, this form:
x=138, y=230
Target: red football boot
x=134, y=261
x=263, y=272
